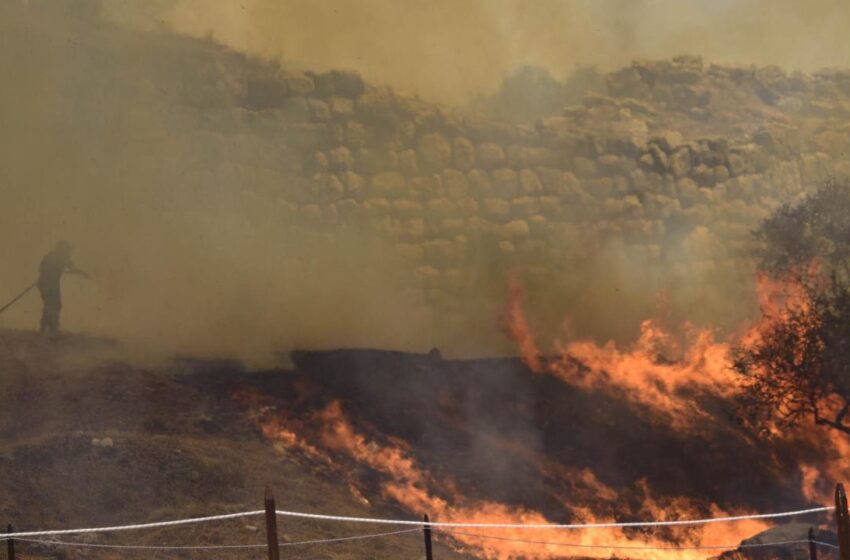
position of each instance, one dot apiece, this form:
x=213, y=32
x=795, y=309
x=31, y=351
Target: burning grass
x=405, y=481
x=677, y=390
x=201, y=457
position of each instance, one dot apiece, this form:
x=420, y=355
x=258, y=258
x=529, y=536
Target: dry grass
x=177, y=452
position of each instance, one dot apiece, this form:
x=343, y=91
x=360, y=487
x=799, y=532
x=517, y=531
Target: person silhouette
x=54, y=264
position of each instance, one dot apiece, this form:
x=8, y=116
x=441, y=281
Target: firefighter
x=54, y=264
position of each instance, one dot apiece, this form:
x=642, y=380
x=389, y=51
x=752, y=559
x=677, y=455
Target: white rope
x=216, y=547
x=140, y=546
x=354, y=538
x=137, y=526
x=404, y=531
x=448, y=531
x=612, y=525
x=348, y=519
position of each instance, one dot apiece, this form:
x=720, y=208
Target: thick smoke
x=137, y=144
x=446, y=49
x=187, y=252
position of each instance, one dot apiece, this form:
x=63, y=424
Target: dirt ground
x=88, y=440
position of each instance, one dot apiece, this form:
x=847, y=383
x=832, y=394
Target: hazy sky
x=448, y=48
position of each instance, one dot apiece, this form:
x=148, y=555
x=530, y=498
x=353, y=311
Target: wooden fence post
x=842, y=522
x=427, y=530
x=271, y=526
x=813, y=547
x=10, y=544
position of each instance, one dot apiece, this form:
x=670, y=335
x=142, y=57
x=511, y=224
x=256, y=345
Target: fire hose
x=17, y=297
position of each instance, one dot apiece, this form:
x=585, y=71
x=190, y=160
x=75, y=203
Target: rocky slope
x=655, y=186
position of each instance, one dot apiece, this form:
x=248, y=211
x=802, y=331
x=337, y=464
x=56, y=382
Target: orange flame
x=411, y=486
x=643, y=374
x=654, y=374
x=513, y=320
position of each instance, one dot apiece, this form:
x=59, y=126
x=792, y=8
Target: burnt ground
x=181, y=445
x=178, y=450
x=450, y=411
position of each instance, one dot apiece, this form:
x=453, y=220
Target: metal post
x=427, y=530
x=10, y=544
x=813, y=548
x=842, y=522
x=271, y=526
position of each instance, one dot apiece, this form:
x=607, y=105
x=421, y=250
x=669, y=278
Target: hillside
x=176, y=448
x=89, y=439
x=243, y=221
x=652, y=187
x=193, y=437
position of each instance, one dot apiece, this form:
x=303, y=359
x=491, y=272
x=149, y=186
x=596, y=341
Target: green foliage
x=814, y=231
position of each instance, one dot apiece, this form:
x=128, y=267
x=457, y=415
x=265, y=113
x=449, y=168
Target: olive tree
x=798, y=367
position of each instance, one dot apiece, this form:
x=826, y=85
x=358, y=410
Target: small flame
x=513, y=320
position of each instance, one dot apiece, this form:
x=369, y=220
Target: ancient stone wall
x=449, y=189
x=672, y=171
x=654, y=186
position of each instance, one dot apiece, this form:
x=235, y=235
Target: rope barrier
x=354, y=538
x=189, y=521
x=433, y=524
x=637, y=547
x=611, y=525
x=217, y=547
x=142, y=547
x=405, y=531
